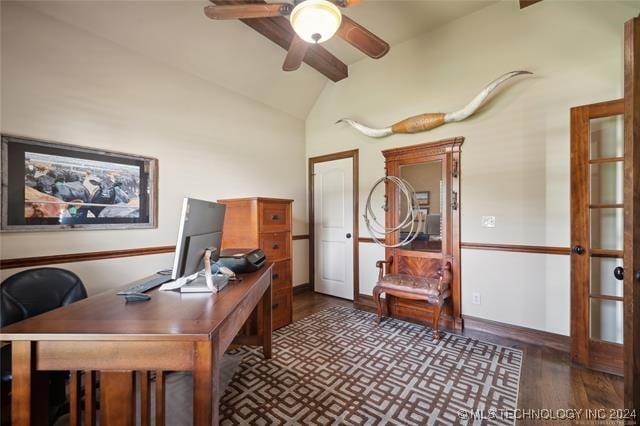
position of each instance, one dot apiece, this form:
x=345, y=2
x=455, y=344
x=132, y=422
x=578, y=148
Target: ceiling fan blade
x=295, y=55
x=347, y=3
x=247, y=11
x=362, y=39
x=527, y=3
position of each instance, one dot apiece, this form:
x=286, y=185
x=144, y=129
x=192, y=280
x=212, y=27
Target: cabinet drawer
x=281, y=275
x=274, y=217
x=281, y=308
x=275, y=245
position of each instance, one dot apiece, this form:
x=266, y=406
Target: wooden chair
x=433, y=290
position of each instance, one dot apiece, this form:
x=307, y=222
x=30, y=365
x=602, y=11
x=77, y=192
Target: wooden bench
x=434, y=289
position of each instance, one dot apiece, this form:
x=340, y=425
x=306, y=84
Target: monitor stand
x=197, y=284
x=209, y=283
x=200, y=285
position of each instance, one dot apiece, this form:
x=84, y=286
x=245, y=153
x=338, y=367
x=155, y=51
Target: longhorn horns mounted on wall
x=423, y=122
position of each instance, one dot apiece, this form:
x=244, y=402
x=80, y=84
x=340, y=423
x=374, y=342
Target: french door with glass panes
x=597, y=235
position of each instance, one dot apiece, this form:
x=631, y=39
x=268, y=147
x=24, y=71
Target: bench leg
x=436, y=322
x=376, y=297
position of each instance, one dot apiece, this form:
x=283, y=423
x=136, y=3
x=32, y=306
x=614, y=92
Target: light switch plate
x=475, y=298
x=488, y=221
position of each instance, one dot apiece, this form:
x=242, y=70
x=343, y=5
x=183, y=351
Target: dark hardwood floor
x=548, y=379
x=310, y=302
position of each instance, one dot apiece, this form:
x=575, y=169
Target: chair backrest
x=38, y=290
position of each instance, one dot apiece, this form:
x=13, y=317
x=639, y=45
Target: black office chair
x=29, y=293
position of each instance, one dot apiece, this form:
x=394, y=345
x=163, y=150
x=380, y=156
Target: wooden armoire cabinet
x=265, y=223
x=433, y=170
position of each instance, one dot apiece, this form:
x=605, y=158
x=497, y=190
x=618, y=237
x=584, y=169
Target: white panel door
x=333, y=227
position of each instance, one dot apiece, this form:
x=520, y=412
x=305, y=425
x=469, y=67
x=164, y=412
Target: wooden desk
x=171, y=332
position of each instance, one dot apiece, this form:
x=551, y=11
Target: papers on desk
x=197, y=284
x=174, y=285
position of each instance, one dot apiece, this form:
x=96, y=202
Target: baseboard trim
x=302, y=288
x=366, y=303
x=516, y=332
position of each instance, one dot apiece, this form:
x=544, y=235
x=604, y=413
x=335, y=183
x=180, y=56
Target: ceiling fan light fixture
x=315, y=21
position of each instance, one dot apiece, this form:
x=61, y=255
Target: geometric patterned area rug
x=339, y=367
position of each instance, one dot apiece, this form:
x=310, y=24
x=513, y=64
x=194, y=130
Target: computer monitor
x=200, y=228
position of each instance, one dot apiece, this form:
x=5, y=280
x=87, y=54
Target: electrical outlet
x=475, y=298
x=488, y=221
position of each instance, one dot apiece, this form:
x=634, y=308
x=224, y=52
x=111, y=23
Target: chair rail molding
x=26, y=262
x=518, y=248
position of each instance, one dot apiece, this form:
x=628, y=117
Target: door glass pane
x=606, y=137
x=607, y=228
x=607, y=183
x=606, y=320
x=426, y=180
x=602, y=280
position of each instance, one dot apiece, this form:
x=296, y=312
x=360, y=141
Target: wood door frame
x=354, y=155
x=632, y=215
x=593, y=354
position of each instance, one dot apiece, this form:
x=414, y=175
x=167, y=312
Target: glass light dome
x=315, y=21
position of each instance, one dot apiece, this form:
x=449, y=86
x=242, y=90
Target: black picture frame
x=52, y=186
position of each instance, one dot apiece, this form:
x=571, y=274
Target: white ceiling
x=234, y=56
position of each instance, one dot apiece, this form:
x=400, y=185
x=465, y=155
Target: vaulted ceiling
x=232, y=55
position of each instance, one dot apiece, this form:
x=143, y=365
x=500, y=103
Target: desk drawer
x=274, y=217
x=275, y=245
x=281, y=308
x=281, y=275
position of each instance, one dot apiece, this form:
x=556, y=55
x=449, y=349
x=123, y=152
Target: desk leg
x=89, y=398
x=266, y=323
x=145, y=398
x=160, y=398
x=117, y=398
x=206, y=379
x=29, y=388
x=75, y=396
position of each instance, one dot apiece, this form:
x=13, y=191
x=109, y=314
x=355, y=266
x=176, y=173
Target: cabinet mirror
x=426, y=180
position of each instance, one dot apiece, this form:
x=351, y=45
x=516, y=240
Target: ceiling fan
x=313, y=21
x=527, y=3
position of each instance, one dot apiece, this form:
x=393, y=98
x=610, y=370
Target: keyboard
x=146, y=285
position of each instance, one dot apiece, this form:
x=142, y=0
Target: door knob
x=578, y=249
x=618, y=272
x=348, y=235
x=638, y=276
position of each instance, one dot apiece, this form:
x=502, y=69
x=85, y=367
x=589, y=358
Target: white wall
x=515, y=160
x=64, y=84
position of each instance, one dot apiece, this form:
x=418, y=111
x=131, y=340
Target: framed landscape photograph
x=54, y=186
